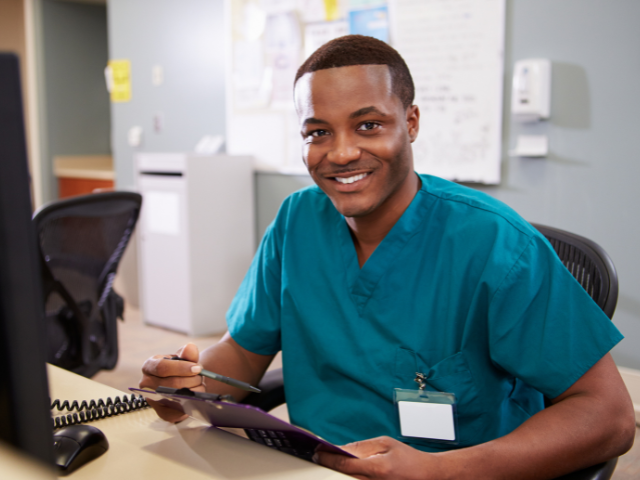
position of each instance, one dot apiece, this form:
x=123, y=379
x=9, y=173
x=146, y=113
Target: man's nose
x=344, y=150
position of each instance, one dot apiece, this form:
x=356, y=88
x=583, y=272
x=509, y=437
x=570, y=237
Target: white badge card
x=426, y=414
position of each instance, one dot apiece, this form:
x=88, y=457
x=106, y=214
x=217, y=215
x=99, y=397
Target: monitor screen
x=25, y=417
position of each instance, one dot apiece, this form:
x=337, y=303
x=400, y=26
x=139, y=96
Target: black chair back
x=592, y=267
x=81, y=241
x=588, y=263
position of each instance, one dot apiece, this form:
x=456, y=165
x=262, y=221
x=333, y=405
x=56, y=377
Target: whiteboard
x=454, y=49
x=455, y=52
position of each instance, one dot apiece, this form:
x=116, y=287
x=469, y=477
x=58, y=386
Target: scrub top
x=461, y=289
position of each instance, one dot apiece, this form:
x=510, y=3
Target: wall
x=75, y=104
x=588, y=185
x=186, y=39
x=12, y=36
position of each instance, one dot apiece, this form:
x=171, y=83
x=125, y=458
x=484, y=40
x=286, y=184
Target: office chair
x=587, y=262
x=81, y=242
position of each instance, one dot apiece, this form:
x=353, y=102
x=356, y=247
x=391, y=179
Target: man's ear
x=413, y=122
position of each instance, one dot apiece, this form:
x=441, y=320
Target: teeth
x=351, y=179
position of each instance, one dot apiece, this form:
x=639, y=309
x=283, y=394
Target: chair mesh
x=78, y=248
x=81, y=242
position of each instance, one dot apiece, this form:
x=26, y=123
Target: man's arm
x=589, y=423
x=226, y=358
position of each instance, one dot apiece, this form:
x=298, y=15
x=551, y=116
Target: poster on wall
x=454, y=49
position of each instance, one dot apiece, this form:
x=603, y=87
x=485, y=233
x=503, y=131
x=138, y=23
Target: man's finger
x=160, y=366
x=152, y=382
x=367, y=448
x=189, y=352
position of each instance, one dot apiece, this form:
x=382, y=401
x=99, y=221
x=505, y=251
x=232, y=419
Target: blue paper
x=373, y=22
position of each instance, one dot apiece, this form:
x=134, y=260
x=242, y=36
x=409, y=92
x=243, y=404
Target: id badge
x=427, y=414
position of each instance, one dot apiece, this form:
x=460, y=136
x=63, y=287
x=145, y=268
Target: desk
x=82, y=174
x=143, y=446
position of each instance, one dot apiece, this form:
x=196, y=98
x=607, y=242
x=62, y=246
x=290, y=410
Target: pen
x=221, y=378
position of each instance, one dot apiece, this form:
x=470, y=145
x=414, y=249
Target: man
x=378, y=273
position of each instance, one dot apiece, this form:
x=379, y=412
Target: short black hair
x=361, y=50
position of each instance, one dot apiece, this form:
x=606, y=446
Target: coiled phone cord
x=89, y=412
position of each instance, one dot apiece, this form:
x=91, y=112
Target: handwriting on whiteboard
x=454, y=49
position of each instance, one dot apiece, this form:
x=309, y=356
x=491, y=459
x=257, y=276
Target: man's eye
x=368, y=126
x=318, y=133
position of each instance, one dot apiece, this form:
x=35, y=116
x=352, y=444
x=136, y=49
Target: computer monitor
x=25, y=417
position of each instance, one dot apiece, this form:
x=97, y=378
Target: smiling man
x=378, y=273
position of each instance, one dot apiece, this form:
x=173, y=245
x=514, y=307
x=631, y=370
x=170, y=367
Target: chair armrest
x=272, y=394
x=602, y=471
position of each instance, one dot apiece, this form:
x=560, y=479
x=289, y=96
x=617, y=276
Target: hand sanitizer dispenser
x=531, y=93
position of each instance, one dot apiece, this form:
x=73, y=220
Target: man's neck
x=367, y=232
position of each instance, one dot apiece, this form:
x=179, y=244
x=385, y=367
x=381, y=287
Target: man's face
x=357, y=136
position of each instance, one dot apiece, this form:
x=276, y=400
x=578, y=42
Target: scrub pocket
x=451, y=375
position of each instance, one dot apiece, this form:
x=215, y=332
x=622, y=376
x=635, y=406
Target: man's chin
x=354, y=211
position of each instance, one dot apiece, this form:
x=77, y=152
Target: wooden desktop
x=143, y=446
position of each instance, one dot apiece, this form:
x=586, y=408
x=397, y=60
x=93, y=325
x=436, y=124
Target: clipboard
x=260, y=426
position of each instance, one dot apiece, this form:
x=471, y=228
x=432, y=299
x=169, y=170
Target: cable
x=89, y=412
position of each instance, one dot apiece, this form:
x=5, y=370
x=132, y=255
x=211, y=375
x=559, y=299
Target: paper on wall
x=278, y=6
x=252, y=79
x=362, y=4
x=332, y=8
x=294, y=164
x=317, y=34
x=120, y=72
x=372, y=22
x=283, y=46
x=312, y=11
x=262, y=135
x=251, y=21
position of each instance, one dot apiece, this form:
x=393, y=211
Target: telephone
x=88, y=412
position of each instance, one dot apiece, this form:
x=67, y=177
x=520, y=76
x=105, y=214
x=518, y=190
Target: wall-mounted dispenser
x=531, y=92
x=531, y=102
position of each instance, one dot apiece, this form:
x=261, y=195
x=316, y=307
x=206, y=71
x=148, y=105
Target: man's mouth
x=348, y=180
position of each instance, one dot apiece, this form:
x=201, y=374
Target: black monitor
x=25, y=417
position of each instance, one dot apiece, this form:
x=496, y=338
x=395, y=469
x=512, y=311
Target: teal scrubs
x=461, y=289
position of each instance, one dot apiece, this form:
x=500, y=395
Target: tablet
x=260, y=426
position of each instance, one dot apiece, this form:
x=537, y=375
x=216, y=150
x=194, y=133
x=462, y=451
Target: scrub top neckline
x=362, y=281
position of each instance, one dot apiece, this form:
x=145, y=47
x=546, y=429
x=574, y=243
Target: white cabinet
x=196, y=237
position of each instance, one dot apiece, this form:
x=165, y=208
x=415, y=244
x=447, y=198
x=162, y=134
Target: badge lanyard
x=426, y=414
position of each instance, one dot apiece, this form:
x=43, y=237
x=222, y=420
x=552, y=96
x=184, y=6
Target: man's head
x=353, y=50
x=353, y=97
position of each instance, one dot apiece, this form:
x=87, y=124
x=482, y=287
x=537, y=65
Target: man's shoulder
x=309, y=194
x=473, y=206
x=303, y=205
x=306, y=199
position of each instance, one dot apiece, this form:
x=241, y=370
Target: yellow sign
x=121, y=80
x=332, y=10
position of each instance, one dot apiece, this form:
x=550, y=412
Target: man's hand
x=383, y=458
x=225, y=357
x=158, y=370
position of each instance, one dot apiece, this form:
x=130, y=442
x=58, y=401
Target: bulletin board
x=454, y=49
